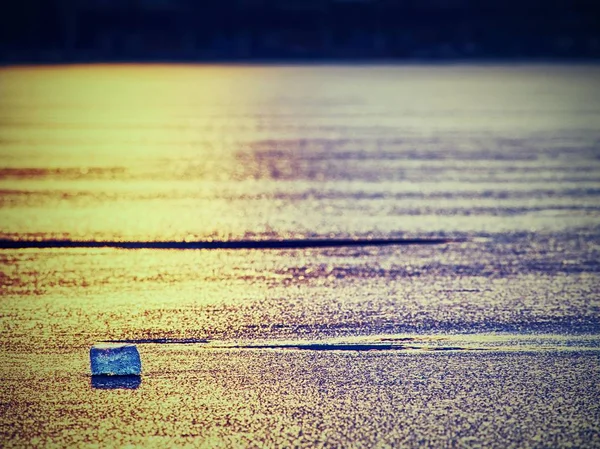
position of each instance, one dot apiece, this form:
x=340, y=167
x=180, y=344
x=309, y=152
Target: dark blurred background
x=34, y=31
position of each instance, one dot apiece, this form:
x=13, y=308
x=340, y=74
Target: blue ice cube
x=115, y=359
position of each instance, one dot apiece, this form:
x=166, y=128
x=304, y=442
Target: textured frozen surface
x=505, y=157
x=194, y=397
x=115, y=359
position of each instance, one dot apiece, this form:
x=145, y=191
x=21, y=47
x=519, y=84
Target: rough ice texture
x=115, y=359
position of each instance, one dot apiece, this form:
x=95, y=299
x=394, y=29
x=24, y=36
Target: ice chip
x=115, y=360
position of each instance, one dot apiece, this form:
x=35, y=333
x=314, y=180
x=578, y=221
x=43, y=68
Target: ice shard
x=115, y=359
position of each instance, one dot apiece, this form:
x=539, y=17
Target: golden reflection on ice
x=99, y=149
x=182, y=152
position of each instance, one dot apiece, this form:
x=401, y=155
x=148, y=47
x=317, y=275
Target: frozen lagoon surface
x=491, y=341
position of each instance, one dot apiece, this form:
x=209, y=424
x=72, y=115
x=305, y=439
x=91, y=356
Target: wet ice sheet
x=528, y=283
x=504, y=157
x=228, y=152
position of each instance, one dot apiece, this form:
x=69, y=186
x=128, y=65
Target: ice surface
x=115, y=359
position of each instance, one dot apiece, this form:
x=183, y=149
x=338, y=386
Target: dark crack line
x=206, y=344
x=240, y=244
x=180, y=341
x=349, y=347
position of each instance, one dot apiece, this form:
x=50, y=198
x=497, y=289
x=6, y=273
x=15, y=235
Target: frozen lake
x=492, y=338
